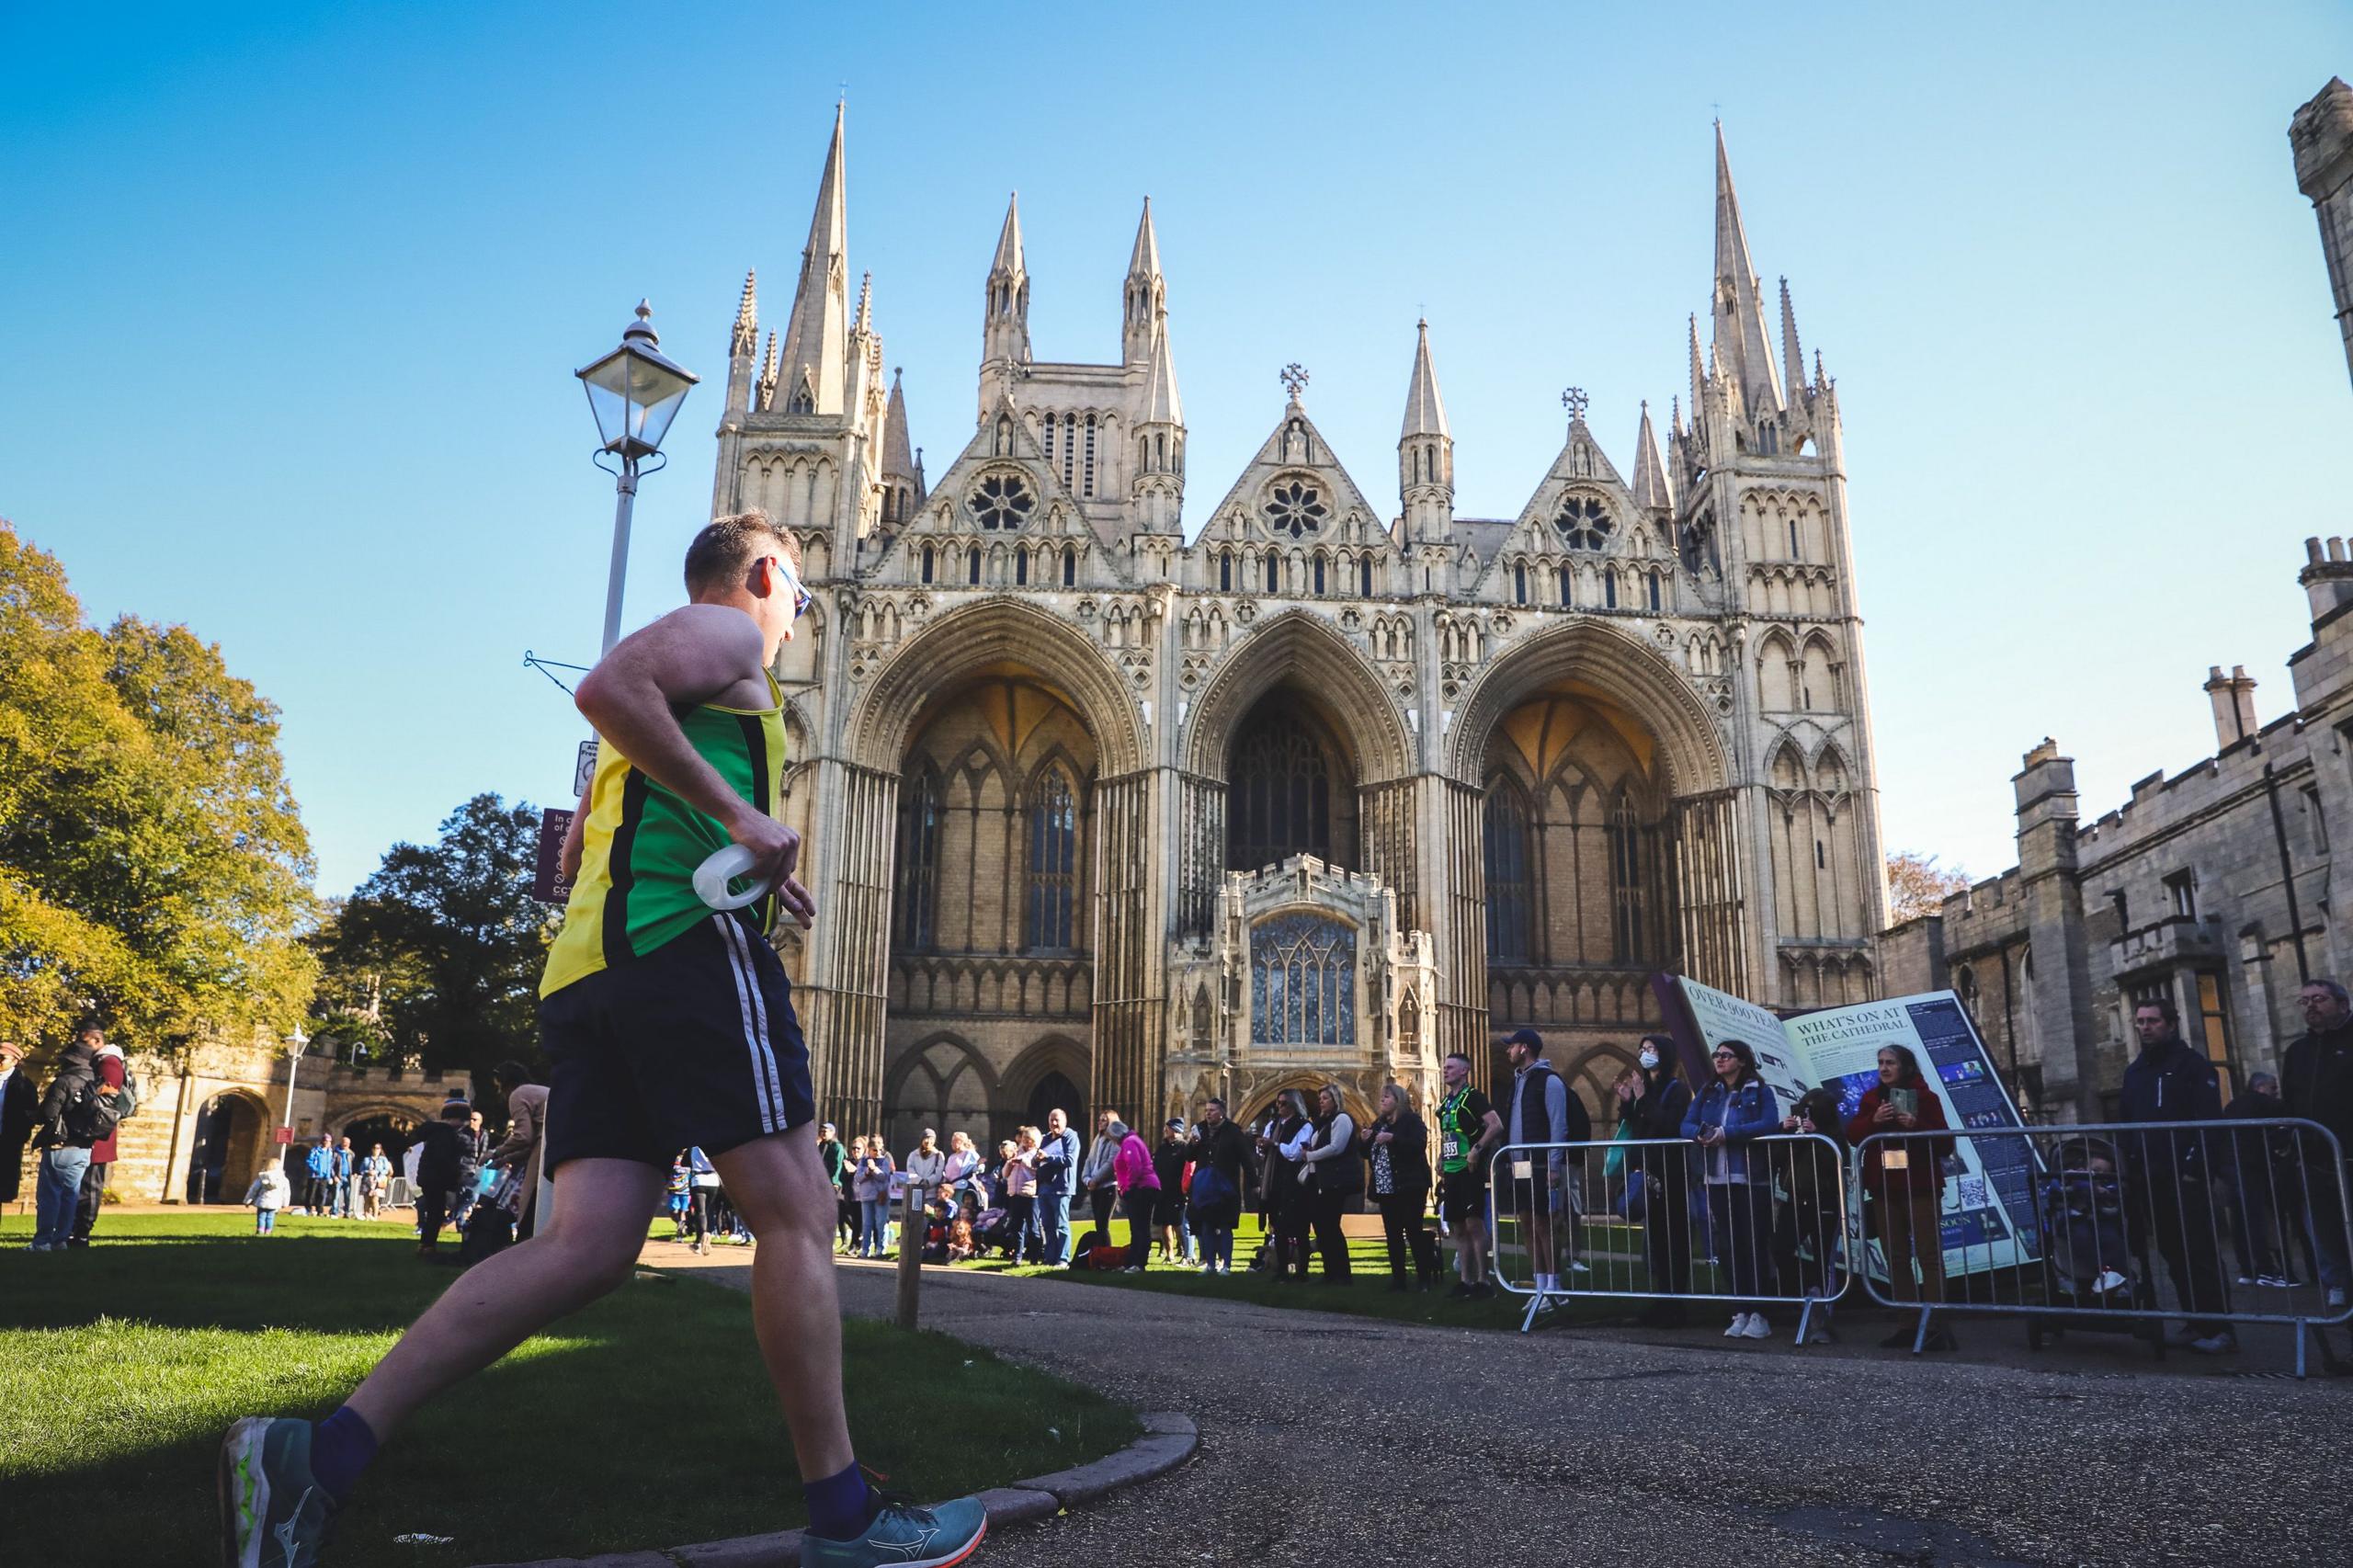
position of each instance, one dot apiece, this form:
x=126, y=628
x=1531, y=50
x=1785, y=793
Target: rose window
x=1296, y=507
x=1002, y=501
x=1583, y=522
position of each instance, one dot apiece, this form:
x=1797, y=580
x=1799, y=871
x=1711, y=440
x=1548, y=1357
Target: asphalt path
x=1329, y=1439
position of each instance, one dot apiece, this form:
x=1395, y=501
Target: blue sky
x=297, y=292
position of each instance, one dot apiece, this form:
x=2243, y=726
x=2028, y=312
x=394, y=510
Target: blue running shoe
x=273, y=1513
x=905, y=1536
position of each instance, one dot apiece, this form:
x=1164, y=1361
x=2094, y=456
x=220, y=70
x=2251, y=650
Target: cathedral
x=1110, y=806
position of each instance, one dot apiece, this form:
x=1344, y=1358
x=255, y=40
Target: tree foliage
x=444, y=944
x=1918, y=884
x=153, y=869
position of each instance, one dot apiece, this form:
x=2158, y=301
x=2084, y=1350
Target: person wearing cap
x=1172, y=1162
x=1539, y=1109
x=20, y=1113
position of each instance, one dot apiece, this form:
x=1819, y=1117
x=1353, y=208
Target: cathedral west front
x=1112, y=802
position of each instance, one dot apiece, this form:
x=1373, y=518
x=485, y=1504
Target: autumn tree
x=1918, y=884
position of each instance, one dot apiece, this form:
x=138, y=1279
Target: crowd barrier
x=1755, y=1224
x=2112, y=1227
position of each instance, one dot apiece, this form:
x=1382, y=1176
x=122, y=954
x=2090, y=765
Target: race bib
x=1451, y=1147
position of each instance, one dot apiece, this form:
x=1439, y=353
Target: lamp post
x=634, y=392
x=300, y=1042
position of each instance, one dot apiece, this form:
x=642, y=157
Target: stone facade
x=2321, y=135
x=2214, y=886
x=1110, y=806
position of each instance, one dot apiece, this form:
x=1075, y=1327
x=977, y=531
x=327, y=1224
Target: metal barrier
x=2069, y=1225
x=1665, y=1219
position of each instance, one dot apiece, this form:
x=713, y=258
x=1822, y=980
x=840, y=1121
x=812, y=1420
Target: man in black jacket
x=20, y=1113
x=74, y=1116
x=2169, y=1190
x=2316, y=1083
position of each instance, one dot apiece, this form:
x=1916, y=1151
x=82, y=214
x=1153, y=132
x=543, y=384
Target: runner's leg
x=503, y=1300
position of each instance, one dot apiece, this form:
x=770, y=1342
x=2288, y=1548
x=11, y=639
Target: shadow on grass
x=642, y=1421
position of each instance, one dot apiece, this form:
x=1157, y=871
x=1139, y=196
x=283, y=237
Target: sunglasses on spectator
x=802, y=598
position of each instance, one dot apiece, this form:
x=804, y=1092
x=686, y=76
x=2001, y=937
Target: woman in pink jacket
x=1139, y=1191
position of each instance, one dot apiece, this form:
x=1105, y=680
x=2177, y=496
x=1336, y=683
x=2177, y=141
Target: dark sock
x=841, y=1506
x=341, y=1446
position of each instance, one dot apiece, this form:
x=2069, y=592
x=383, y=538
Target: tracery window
x=1364, y=577
x=1001, y=502
x=919, y=827
x=1585, y=522
x=1568, y=588
x=1070, y=565
x=1519, y=582
x=1625, y=881
x=1225, y=570
x=1054, y=862
x=1089, y=470
x=1296, y=507
x=1508, y=901
x=1319, y=573
x=1280, y=797
x=1302, y=981
x=926, y=562
x=1070, y=450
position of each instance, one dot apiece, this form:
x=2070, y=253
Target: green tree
x=153, y=865
x=446, y=942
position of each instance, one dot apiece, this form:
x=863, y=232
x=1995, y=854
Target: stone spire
x=1424, y=410
x=1741, y=345
x=767, y=376
x=865, y=322
x=902, y=476
x=1425, y=451
x=1145, y=296
x=816, y=338
x=1162, y=406
x=1698, y=381
x=1793, y=356
x=1650, y=486
x=1005, y=336
x=742, y=345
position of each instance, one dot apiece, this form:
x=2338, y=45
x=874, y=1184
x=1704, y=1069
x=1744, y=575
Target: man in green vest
x=1468, y=1129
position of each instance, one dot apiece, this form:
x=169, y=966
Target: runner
x=1468, y=1128
x=667, y=1026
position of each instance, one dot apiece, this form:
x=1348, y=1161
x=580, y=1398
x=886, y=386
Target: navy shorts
x=692, y=1045
x=1462, y=1195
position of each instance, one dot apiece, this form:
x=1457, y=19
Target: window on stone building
x=1302, y=981
x=1070, y=565
x=1280, y=800
x=1795, y=552
x=2214, y=1030
x=926, y=563
x=1070, y=450
x=1296, y=507
x=2121, y=903
x=1001, y=502
x=919, y=827
x=1519, y=582
x=1274, y=573
x=1609, y=590
x=1225, y=570
x=1508, y=901
x=1583, y=522
x=1089, y=470
x=1568, y=588
x=1626, y=881
x=2181, y=894
x=1319, y=575
x=2314, y=823
x=1364, y=582
x=1021, y=568
x=1049, y=440
x=1054, y=862
x=1654, y=601
x=972, y=567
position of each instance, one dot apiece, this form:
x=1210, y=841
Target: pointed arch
x=1608, y=660
x=1306, y=650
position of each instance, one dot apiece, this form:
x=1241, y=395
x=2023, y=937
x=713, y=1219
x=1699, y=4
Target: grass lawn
x=642, y=1421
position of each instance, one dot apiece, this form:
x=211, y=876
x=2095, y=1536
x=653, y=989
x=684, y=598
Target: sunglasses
x=1727, y=1056
x=802, y=598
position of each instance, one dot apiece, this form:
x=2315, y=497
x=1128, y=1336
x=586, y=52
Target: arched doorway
x=1053, y=1093
x=395, y=1129
x=230, y=1144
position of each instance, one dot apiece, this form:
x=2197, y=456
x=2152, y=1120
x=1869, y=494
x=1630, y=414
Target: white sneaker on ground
x=1739, y=1326
x=1577, y=1266
x=2216, y=1344
x=1757, y=1327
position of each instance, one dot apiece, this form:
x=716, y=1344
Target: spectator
x=1332, y=1179
x=961, y=1245
x=1400, y=1180
x=73, y=1110
x=19, y=1114
x=1220, y=1154
x=1095, y=1176
x=437, y=1171
x=925, y=1167
x=1139, y=1186
x=1057, y=1165
x=113, y=1073
x=318, y=1166
x=872, y=1187
x=1904, y=1184
x=2169, y=1198
x=1734, y=1111
x=2259, y=1167
x=1468, y=1129
x=1016, y=1180
x=1540, y=1110
x=1286, y=1200
x=835, y=1160
x=526, y=1117
x=347, y=1180
x=1658, y=1174
x=473, y=1150
x=1807, y=1227
x=681, y=1195
x=1172, y=1162
x=375, y=1179
x=2316, y=1083
x=266, y=1195
x=703, y=1177
x=960, y=1177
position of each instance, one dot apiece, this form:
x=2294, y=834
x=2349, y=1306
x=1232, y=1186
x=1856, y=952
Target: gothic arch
x=1054, y=1054
x=1612, y=664
x=1302, y=647
x=968, y=639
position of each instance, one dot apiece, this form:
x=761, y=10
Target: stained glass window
x=1279, y=802
x=1296, y=507
x=1302, y=981
x=1001, y=502
x=1583, y=522
x=1508, y=879
x=1054, y=862
x=919, y=823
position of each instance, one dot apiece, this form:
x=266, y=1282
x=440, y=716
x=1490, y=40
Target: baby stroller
x=2087, y=1250
x=994, y=1228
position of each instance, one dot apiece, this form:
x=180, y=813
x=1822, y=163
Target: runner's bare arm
x=568, y=858
x=693, y=655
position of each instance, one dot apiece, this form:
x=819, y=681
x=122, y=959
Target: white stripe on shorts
x=760, y=1019
x=746, y=987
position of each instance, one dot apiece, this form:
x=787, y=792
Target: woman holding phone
x=1904, y=1184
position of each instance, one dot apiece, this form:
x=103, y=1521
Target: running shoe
x=273, y=1513
x=905, y=1536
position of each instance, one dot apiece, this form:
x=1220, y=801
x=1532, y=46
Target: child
x=961, y=1245
x=681, y=1195
x=267, y=1195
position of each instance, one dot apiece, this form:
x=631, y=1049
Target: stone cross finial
x=1575, y=402
x=1294, y=379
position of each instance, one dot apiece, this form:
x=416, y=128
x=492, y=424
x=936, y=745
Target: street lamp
x=634, y=392
x=300, y=1042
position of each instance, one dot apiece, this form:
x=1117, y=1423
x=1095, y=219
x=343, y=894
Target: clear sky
x=297, y=290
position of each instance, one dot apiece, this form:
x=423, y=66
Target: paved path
x=1340, y=1441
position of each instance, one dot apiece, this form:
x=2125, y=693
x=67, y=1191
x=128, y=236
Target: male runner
x=1468, y=1130
x=667, y=1026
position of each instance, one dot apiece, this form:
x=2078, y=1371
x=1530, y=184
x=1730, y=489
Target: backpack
x=88, y=1117
x=126, y=1100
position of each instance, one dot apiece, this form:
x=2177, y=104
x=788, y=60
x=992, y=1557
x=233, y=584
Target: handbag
x=1613, y=1163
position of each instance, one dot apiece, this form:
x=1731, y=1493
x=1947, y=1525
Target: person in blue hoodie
x=2169, y=1195
x=1730, y=1114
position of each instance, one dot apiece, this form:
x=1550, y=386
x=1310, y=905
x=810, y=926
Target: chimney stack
x=2328, y=576
x=2233, y=699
